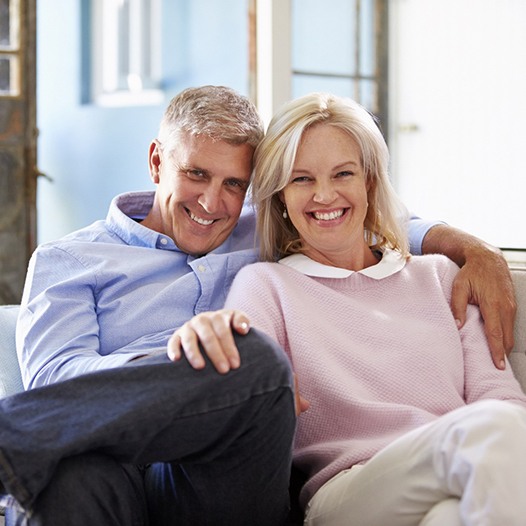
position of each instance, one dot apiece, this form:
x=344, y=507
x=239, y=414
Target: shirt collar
x=127, y=210
x=391, y=263
x=124, y=216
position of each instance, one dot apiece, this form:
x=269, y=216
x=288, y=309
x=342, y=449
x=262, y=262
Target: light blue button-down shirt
x=117, y=290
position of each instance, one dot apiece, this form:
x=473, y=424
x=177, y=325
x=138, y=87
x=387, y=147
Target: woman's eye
x=344, y=174
x=300, y=179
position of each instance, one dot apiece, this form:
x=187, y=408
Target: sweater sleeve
x=253, y=291
x=482, y=380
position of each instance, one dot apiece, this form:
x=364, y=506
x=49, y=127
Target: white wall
x=458, y=108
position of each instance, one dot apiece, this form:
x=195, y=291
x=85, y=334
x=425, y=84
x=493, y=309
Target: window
x=308, y=45
x=123, y=41
x=340, y=50
x=450, y=102
x=9, y=48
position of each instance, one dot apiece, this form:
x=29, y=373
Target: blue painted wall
x=92, y=153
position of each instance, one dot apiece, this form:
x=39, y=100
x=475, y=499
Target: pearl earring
x=285, y=215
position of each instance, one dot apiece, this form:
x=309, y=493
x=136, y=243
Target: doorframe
x=18, y=154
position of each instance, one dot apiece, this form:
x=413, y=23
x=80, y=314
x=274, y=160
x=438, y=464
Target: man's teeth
x=327, y=216
x=200, y=220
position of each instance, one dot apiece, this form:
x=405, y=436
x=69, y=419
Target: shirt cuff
x=417, y=230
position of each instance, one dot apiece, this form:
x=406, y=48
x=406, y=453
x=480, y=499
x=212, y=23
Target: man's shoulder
x=97, y=231
x=85, y=246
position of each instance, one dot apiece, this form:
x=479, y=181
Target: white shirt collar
x=391, y=263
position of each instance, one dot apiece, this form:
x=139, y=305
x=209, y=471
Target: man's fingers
x=495, y=337
x=224, y=344
x=174, y=347
x=240, y=322
x=210, y=334
x=507, y=313
x=459, y=300
x=499, y=331
x=190, y=345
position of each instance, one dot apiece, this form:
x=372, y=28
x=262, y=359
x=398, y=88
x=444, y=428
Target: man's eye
x=236, y=184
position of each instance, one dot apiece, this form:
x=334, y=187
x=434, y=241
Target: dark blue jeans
x=154, y=443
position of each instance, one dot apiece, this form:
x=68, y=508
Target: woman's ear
x=154, y=160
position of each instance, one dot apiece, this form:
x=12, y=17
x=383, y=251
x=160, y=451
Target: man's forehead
x=205, y=153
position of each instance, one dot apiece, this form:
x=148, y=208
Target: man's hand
x=213, y=330
x=484, y=280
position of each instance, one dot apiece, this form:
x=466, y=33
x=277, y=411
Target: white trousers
x=466, y=468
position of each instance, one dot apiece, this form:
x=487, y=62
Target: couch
x=11, y=381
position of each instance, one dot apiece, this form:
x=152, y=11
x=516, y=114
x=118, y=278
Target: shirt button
x=164, y=241
x=201, y=268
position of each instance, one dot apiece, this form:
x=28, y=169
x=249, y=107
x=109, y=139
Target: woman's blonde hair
x=274, y=161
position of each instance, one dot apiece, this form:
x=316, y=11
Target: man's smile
x=199, y=220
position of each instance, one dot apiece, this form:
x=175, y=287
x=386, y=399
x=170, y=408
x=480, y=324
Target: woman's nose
x=324, y=193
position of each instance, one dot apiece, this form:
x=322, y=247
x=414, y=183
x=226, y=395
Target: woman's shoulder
x=436, y=261
x=260, y=269
x=433, y=265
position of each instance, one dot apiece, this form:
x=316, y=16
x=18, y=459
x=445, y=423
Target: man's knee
x=267, y=370
x=265, y=356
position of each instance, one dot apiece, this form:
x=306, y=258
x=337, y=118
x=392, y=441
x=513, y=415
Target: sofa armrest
x=10, y=377
x=518, y=355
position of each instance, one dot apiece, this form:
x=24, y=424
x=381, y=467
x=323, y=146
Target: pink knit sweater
x=376, y=358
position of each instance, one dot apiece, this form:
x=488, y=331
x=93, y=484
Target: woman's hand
x=213, y=331
x=301, y=404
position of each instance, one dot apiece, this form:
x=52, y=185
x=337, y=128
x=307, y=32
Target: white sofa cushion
x=518, y=355
x=10, y=378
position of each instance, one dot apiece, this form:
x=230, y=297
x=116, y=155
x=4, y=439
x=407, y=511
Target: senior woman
x=409, y=421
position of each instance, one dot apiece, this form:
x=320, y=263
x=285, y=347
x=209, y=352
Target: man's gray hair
x=216, y=112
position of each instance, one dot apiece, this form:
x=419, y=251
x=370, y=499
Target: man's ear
x=154, y=160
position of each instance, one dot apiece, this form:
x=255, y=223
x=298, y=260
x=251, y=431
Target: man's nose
x=210, y=199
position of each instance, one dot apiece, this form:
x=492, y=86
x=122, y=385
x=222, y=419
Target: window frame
x=121, y=52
